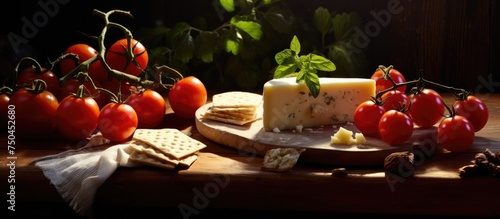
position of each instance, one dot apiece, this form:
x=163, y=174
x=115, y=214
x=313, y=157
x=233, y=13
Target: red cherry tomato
x=427, y=108
x=395, y=127
x=71, y=86
x=150, y=107
x=35, y=113
x=51, y=80
x=382, y=82
x=117, y=122
x=474, y=110
x=4, y=110
x=395, y=99
x=117, y=57
x=85, y=52
x=186, y=96
x=367, y=116
x=455, y=134
x=76, y=117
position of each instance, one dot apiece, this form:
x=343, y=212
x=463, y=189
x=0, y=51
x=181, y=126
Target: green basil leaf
x=312, y=81
x=267, y=2
x=251, y=28
x=284, y=70
x=344, y=24
x=278, y=21
x=301, y=76
x=321, y=63
x=323, y=20
x=295, y=45
x=231, y=41
x=206, y=44
x=178, y=29
x=228, y=5
x=232, y=46
x=184, y=48
x=284, y=57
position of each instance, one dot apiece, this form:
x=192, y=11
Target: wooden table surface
x=226, y=183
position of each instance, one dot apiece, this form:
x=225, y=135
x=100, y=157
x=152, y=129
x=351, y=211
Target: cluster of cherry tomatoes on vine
x=393, y=113
x=96, y=90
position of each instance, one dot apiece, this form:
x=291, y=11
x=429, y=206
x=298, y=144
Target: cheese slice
x=288, y=104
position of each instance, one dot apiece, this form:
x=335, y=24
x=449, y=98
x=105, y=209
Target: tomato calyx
x=128, y=53
x=80, y=93
x=37, y=86
x=462, y=95
x=386, y=72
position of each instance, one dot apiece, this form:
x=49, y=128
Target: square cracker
x=235, y=110
x=187, y=161
x=239, y=122
x=169, y=141
x=236, y=99
x=230, y=116
x=151, y=151
x=139, y=157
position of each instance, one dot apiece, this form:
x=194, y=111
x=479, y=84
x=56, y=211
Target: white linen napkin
x=77, y=174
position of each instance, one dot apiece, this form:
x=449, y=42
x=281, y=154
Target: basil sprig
x=308, y=65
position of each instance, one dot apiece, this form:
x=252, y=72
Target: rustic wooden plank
x=413, y=40
x=466, y=43
x=495, y=43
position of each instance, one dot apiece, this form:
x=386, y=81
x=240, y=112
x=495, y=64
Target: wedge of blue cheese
x=288, y=104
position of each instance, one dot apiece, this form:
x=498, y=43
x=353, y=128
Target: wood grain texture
x=252, y=138
x=225, y=179
x=449, y=42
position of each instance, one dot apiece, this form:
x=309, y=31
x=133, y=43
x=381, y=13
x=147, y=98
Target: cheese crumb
x=299, y=128
x=359, y=138
x=276, y=130
x=345, y=137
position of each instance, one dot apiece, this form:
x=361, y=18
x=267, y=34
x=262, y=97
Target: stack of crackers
x=164, y=148
x=235, y=107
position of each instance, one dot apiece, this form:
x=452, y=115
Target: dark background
x=453, y=42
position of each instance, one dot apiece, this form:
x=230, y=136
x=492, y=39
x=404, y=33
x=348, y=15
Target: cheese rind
x=288, y=104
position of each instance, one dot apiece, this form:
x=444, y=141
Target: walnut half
x=400, y=163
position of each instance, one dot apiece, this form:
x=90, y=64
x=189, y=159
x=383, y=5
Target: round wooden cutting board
x=252, y=138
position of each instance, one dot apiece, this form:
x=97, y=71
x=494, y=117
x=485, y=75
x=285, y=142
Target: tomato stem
x=451, y=110
x=386, y=72
x=84, y=66
x=80, y=92
x=458, y=92
x=6, y=90
x=420, y=84
x=102, y=49
x=164, y=68
x=38, y=86
x=33, y=63
x=78, y=69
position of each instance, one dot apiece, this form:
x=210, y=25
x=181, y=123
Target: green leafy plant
x=338, y=33
x=237, y=50
x=308, y=65
x=236, y=53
